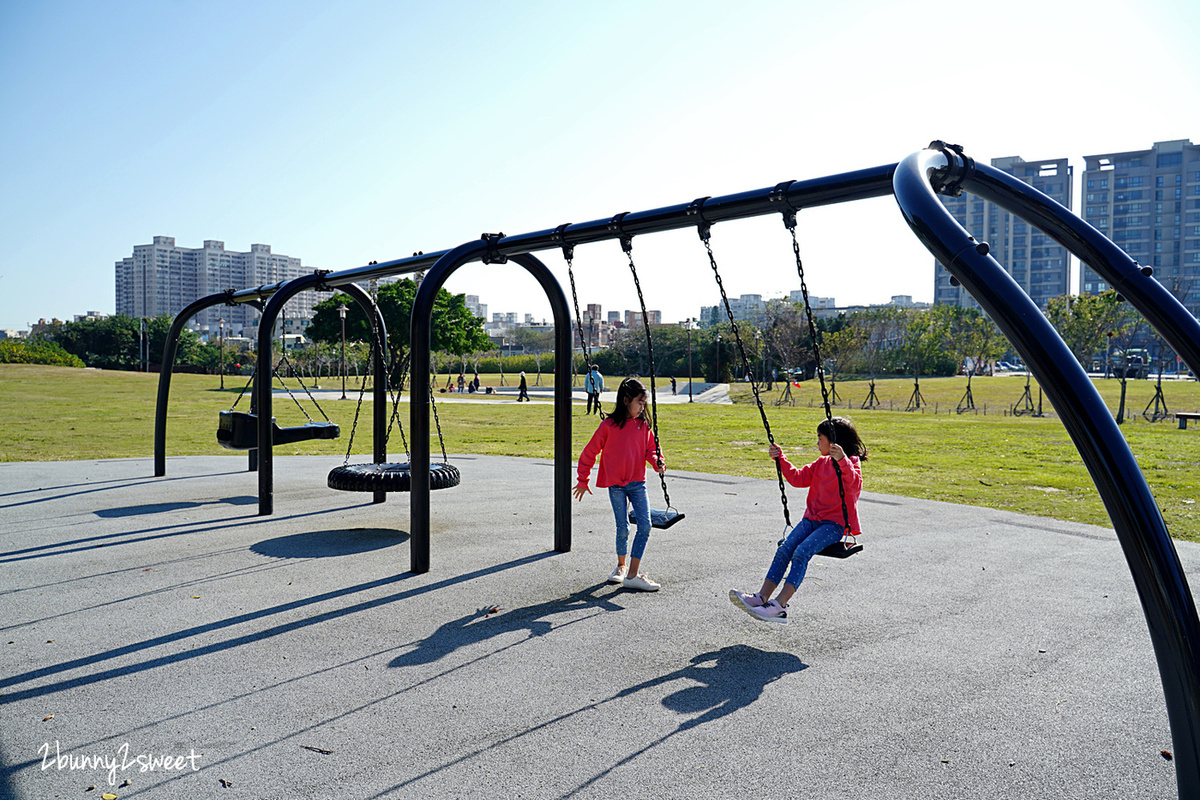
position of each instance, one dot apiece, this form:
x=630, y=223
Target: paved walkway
x=701, y=393
x=966, y=653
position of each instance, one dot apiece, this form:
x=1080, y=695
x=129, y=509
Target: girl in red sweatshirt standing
x=823, y=522
x=625, y=444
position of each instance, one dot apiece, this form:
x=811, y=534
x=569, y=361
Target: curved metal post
x=420, y=339
x=262, y=388
x=1134, y=282
x=1157, y=574
x=170, y=348
x=563, y=456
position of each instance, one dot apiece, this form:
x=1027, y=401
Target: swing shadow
x=162, y=508
x=482, y=624
x=722, y=682
x=330, y=543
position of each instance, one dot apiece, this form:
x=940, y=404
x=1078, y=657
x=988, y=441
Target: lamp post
x=688, y=325
x=221, y=349
x=758, y=353
x=342, y=313
x=718, y=356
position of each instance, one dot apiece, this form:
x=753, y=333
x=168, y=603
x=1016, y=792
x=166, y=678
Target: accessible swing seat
x=238, y=430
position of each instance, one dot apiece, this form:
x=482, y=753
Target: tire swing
x=390, y=477
x=847, y=546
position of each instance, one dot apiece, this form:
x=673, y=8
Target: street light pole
x=758, y=353
x=688, y=324
x=342, y=313
x=221, y=349
x=718, y=356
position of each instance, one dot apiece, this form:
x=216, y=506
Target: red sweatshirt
x=624, y=453
x=824, y=502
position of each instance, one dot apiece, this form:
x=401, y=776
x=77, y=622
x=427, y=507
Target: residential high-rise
x=1035, y=261
x=160, y=278
x=1148, y=202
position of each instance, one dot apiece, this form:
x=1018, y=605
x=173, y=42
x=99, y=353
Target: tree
x=454, y=330
x=973, y=340
x=1085, y=322
x=924, y=335
x=115, y=342
x=534, y=342
x=1127, y=329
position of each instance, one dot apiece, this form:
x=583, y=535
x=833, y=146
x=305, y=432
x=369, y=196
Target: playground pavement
x=966, y=653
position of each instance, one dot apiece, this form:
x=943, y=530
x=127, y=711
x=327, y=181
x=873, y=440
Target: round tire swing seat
x=388, y=477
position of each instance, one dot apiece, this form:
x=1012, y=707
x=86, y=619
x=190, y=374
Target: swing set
x=915, y=183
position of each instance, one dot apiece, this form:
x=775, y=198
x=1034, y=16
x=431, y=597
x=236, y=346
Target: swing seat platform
x=661, y=518
x=238, y=430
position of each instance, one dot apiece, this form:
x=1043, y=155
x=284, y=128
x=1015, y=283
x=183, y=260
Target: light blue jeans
x=804, y=541
x=622, y=497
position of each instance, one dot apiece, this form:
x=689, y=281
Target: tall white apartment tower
x=1036, y=262
x=160, y=278
x=1148, y=202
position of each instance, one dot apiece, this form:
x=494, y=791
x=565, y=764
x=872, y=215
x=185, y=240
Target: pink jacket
x=624, y=453
x=824, y=501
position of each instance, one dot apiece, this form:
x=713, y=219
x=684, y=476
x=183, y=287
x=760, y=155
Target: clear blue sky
x=361, y=130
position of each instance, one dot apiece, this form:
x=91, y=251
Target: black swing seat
x=661, y=518
x=389, y=477
x=238, y=430
x=843, y=548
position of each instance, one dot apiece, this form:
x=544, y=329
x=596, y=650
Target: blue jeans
x=621, y=497
x=805, y=540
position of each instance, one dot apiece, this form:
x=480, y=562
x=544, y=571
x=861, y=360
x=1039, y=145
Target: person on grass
x=625, y=444
x=524, y=389
x=824, y=522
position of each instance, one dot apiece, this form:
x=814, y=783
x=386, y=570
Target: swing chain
x=283, y=360
x=737, y=337
x=789, y=220
x=627, y=246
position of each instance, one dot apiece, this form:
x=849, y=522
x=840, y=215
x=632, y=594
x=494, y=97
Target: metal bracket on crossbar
x=703, y=226
x=780, y=195
x=614, y=224
x=559, y=236
x=959, y=169
x=493, y=254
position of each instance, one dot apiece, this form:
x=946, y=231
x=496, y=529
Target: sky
x=364, y=130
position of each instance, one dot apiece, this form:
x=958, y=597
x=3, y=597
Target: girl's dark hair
x=629, y=389
x=841, y=431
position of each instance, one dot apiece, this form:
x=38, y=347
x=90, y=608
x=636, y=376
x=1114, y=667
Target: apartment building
x=1148, y=203
x=162, y=278
x=1036, y=262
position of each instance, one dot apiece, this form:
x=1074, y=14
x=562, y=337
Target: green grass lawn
x=994, y=460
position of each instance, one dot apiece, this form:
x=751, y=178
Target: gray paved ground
x=965, y=653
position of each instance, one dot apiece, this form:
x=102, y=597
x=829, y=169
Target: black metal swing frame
x=915, y=183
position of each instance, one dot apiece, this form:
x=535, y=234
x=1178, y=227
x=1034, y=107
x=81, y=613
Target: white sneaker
x=618, y=574
x=745, y=601
x=771, y=612
x=641, y=582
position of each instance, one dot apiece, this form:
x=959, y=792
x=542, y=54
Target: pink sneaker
x=771, y=612
x=744, y=600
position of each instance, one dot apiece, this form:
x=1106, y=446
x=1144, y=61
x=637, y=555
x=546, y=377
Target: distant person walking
x=593, y=384
x=524, y=394
x=462, y=383
x=673, y=384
